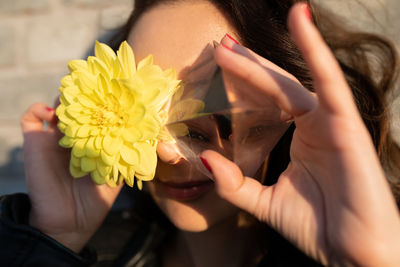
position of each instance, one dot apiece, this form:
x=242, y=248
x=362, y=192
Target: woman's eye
x=198, y=136
x=257, y=131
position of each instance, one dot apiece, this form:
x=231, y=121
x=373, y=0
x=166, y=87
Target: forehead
x=177, y=34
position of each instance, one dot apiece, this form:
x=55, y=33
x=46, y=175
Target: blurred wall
x=38, y=37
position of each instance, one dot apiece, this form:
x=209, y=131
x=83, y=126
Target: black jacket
x=125, y=239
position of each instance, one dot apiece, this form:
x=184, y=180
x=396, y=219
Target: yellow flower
x=112, y=114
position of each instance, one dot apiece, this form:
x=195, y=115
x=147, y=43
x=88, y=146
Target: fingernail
x=49, y=109
x=233, y=39
x=307, y=12
x=228, y=48
x=205, y=163
x=175, y=161
x=215, y=44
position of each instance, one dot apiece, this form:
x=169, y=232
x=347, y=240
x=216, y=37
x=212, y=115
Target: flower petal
x=91, y=151
x=78, y=150
x=148, y=160
x=83, y=131
x=103, y=169
x=70, y=94
x=123, y=169
x=86, y=82
x=127, y=60
x=130, y=180
x=77, y=64
x=136, y=114
x=76, y=161
x=130, y=154
x=62, y=116
x=76, y=172
x=71, y=130
x=112, y=145
x=97, y=177
x=105, y=54
x=145, y=62
x=66, y=142
x=131, y=134
x=74, y=110
x=67, y=81
x=88, y=164
x=145, y=177
x=98, y=142
x=111, y=182
x=97, y=66
x=84, y=119
x=61, y=126
x=139, y=184
x=86, y=101
x=115, y=173
x=149, y=127
x=107, y=159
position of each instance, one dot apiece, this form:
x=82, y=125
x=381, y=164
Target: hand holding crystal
x=333, y=201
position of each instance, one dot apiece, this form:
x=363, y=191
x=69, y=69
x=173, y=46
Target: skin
x=163, y=33
x=334, y=177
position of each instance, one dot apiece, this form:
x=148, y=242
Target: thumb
x=244, y=192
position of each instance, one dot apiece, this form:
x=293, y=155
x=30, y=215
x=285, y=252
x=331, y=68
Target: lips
x=187, y=190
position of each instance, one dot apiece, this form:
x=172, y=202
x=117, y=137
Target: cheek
x=196, y=215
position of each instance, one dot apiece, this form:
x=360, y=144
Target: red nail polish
x=233, y=39
x=307, y=12
x=49, y=109
x=205, y=163
x=228, y=48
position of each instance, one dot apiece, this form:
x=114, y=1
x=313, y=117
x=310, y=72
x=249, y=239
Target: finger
x=231, y=43
x=243, y=192
x=329, y=81
x=287, y=93
x=169, y=153
x=33, y=118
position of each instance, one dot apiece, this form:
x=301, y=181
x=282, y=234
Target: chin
x=186, y=218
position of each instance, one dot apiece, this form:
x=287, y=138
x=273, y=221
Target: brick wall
x=38, y=37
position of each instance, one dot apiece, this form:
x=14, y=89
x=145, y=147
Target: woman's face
x=180, y=35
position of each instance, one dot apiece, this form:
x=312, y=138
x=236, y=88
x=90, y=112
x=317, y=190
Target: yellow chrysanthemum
x=111, y=113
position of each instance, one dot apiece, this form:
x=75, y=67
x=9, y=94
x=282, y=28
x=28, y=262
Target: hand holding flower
x=111, y=114
x=66, y=209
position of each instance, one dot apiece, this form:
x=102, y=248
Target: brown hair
x=369, y=62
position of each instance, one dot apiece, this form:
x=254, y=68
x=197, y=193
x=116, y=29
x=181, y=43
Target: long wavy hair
x=370, y=63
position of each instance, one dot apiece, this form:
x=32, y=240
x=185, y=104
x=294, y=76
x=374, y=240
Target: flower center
x=107, y=116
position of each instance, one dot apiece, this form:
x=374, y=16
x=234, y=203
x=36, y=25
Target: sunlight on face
x=180, y=35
